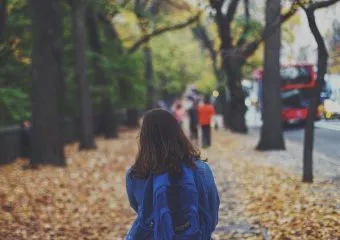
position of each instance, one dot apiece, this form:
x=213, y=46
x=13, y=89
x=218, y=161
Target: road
x=327, y=141
x=327, y=134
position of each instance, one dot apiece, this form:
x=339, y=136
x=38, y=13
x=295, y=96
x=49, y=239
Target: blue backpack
x=171, y=209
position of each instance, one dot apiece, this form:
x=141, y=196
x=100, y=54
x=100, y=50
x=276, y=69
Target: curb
x=328, y=126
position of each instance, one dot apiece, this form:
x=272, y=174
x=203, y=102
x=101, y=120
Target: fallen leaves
x=87, y=200
x=276, y=199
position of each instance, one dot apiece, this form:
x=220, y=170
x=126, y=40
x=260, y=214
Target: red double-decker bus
x=297, y=82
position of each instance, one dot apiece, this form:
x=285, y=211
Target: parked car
x=330, y=109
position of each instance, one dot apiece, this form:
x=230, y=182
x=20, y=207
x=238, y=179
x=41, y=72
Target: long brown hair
x=163, y=146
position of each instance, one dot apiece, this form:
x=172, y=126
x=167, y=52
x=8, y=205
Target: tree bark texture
x=149, y=77
x=3, y=16
x=132, y=117
x=232, y=62
x=47, y=66
x=223, y=100
x=272, y=130
x=84, y=98
x=239, y=52
x=109, y=119
x=95, y=45
x=236, y=106
x=315, y=100
x=106, y=124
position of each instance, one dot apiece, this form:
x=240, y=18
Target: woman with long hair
x=170, y=188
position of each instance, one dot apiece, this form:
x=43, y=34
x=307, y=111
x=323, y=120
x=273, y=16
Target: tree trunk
x=109, y=119
x=313, y=105
x=232, y=63
x=149, y=77
x=309, y=141
x=3, y=16
x=142, y=12
x=84, y=98
x=236, y=107
x=94, y=42
x=106, y=120
x=132, y=118
x=223, y=102
x=224, y=16
x=272, y=130
x=47, y=146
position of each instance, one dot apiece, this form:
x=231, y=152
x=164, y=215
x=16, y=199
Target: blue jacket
x=205, y=182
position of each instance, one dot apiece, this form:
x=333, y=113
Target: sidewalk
x=253, y=118
x=260, y=199
x=233, y=219
x=329, y=124
x=326, y=169
x=272, y=203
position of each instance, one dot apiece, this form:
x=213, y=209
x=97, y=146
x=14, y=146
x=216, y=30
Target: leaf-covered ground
x=273, y=200
x=87, y=200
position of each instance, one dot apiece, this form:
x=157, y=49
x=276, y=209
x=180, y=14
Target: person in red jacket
x=205, y=113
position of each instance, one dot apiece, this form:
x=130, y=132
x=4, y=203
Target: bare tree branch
x=224, y=26
x=159, y=31
x=126, y=2
x=246, y=11
x=3, y=17
x=322, y=4
x=180, y=6
x=155, y=6
x=109, y=26
x=232, y=10
x=301, y=5
x=246, y=28
x=202, y=35
x=313, y=26
x=315, y=30
x=315, y=98
x=140, y=8
x=216, y=4
x=252, y=46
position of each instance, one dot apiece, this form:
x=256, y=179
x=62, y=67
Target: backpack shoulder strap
x=161, y=181
x=147, y=205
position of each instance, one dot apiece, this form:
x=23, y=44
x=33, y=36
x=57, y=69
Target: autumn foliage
x=87, y=200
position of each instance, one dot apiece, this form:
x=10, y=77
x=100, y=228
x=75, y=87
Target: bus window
x=295, y=75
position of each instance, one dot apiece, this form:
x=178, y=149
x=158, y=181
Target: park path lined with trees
x=62, y=72
x=258, y=199
x=91, y=61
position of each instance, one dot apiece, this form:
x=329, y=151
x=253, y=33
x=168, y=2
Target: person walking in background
x=171, y=190
x=193, y=121
x=205, y=114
